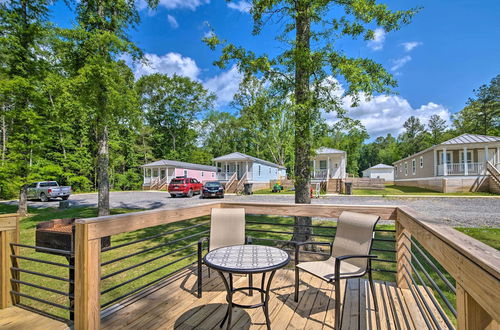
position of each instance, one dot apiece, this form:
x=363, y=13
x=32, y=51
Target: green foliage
x=482, y=113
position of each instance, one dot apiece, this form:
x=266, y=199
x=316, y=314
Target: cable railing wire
x=153, y=248
x=154, y=236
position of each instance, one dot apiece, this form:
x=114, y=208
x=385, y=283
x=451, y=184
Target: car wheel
x=222, y=196
x=65, y=198
x=190, y=193
x=44, y=197
x=172, y=195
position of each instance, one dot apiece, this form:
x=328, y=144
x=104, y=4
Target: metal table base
x=264, y=296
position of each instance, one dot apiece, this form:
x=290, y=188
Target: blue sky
x=450, y=48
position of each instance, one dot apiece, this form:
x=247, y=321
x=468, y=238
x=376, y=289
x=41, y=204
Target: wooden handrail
x=493, y=171
x=474, y=266
x=231, y=181
x=241, y=181
x=9, y=233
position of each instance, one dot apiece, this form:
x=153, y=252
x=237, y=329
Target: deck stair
x=159, y=184
x=240, y=185
x=494, y=175
x=232, y=183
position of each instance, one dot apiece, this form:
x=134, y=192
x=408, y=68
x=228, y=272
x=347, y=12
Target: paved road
x=467, y=212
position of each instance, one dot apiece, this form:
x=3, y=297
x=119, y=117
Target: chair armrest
x=355, y=256
x=299, y=244
x=338, y=260
x=200, y=243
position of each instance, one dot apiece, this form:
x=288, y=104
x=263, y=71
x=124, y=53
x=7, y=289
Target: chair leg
x=372, y=288
x=338, y=318
x=200, y=278
x=296, y=296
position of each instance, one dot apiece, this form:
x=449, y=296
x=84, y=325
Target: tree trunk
x=23, y=201
x=102, y=172
x=302, y=120
x=4, y=139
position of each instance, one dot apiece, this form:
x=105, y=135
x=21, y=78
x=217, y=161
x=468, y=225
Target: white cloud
x=170, y=63
x=242, y=6
x=224, y=85
x=172, y=21
x=377, y=43
x=408, y=46
x=400, y=62
x=175, y=4
x=384, y=114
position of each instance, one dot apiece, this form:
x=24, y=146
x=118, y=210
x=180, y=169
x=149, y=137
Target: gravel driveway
x=453, y=211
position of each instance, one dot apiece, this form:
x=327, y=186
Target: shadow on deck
x=174, y=305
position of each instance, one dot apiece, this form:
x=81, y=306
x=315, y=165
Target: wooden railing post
x=470, y=315
x=9, y=233
x=87, y=279
x=403, y=254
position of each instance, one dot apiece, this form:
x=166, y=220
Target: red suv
x=184, y=186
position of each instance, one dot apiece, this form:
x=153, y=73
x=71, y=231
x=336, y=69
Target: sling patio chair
x=227, y=227
x=349, y=256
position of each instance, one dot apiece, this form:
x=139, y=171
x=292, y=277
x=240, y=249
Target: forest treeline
x=66, y=99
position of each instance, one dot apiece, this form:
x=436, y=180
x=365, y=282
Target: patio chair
x=227, y=227
x=349, y=256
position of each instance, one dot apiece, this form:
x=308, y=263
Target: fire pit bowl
x=59, y=234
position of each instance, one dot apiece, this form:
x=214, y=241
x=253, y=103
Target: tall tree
x=104, y=84
x=413, y=138
x=172, y=106
x=306, y=69
x=481, y=115
x=24, y=29
x=437, y=128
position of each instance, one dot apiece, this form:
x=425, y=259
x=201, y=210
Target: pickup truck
x=182, y=186
x=45, y=190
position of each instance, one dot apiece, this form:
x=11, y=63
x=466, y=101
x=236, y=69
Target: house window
x=185, y=172
x=421, y=162
x=202, y=174
x=259, y=170
x=269, y=170
x=155, y=172
x=449, y=156
x=213, y=174
x=401, y=169
x=406, y=168
x=322, y=164
x=414, y=166
x=395, y=168
x=469, y=157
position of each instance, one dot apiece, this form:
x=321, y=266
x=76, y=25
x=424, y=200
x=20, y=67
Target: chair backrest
x=227, y=227
x=354, y=235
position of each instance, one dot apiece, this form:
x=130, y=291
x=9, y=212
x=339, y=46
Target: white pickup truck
x=45, y=190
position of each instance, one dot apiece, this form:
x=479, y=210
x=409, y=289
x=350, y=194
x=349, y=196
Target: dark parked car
x=212, y=189
x=182, y=186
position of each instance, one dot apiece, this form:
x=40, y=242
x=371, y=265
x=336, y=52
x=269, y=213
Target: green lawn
x=157, y=258
x=269, y=192
x=402, y=190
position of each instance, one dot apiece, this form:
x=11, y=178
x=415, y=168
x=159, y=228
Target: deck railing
x=460, y=274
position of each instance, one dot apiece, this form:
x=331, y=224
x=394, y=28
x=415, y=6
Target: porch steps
x=494, y=182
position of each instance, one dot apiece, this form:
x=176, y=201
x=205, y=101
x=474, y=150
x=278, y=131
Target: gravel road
x=453, y=211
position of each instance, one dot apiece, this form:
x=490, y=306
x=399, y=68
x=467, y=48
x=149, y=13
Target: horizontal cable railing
x=42, y=280
x=151, y=255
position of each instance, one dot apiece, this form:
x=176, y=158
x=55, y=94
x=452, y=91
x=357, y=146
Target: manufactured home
x=468, y=162
x=158, y=174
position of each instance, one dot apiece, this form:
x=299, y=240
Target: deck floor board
x=315, y=309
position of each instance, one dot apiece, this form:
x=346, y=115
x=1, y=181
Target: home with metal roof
x=329, y=163
x=380, y=171
x=469, y=162
x=236, y=168
x=158, y=174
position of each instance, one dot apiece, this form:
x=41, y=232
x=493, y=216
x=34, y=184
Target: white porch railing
x=224, y=176
x=320, y=174
x=460, y=169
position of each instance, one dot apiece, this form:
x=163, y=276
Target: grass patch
x=487, y=235
x=403, y=190
x=270, y=192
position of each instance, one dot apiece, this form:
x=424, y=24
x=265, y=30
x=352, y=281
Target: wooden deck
x=173, y=305
x=15, y=318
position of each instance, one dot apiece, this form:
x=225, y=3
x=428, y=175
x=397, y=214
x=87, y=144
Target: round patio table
x=246, y=259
